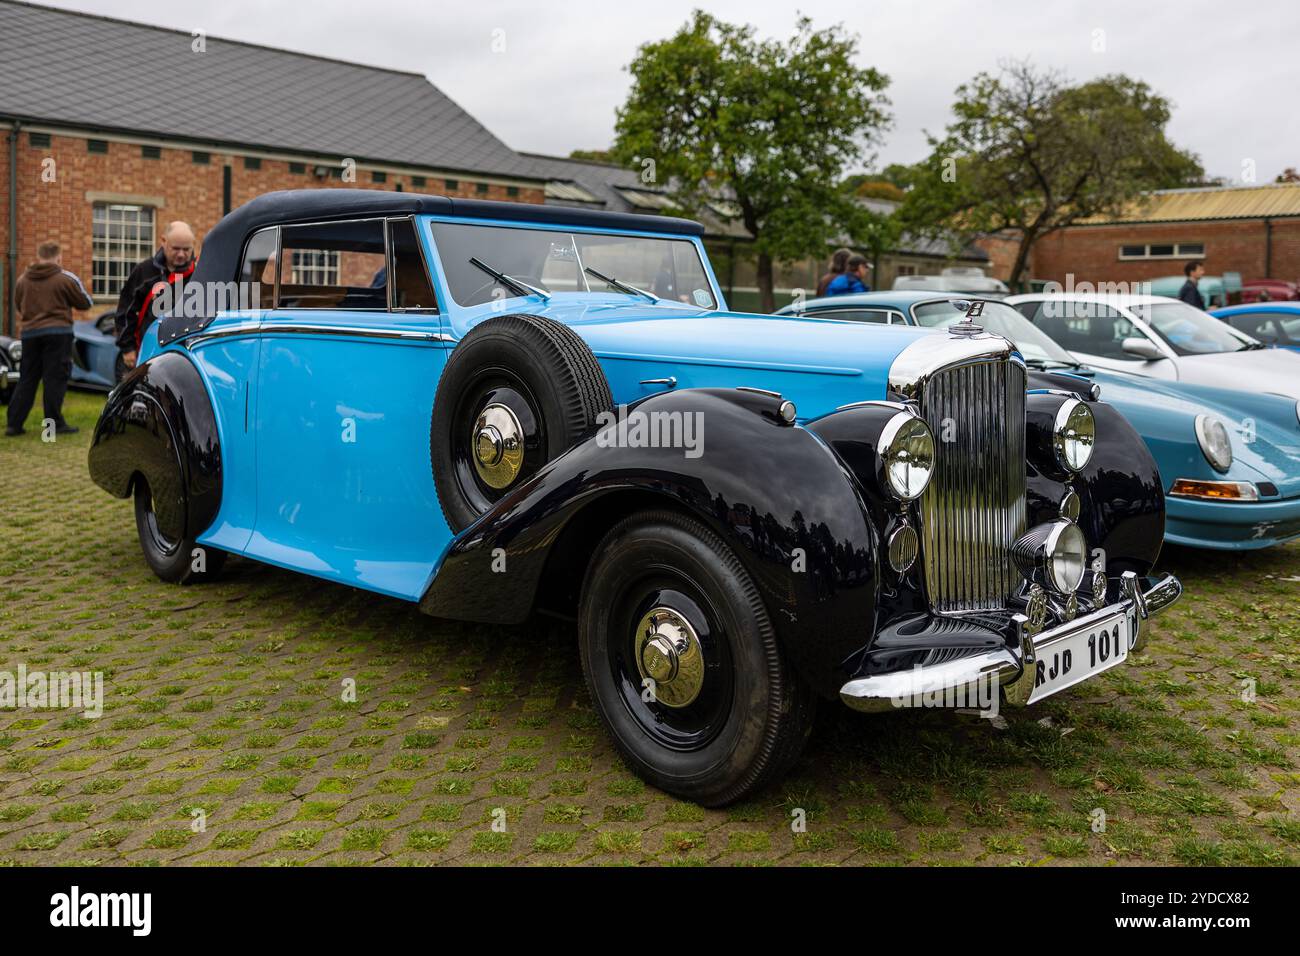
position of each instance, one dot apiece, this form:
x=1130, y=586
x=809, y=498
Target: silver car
x=1161, y=338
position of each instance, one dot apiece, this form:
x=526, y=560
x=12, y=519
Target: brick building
x=97, y=157
x=1253, y=230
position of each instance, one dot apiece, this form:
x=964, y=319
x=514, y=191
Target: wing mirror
x=1142, y=348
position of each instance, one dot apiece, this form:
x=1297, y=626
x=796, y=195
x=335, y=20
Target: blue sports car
x=1273, y=323
x=1230, y=459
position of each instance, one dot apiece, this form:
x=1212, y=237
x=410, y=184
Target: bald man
x=174, y=259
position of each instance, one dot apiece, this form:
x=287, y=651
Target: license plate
x=1079, y=654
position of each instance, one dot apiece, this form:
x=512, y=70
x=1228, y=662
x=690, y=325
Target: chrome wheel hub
x=498, y=443
x=668, y=653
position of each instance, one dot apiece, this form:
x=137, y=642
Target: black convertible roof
x=219, y=259
x=223, y=246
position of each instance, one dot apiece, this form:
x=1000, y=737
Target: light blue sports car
x=1229, y=459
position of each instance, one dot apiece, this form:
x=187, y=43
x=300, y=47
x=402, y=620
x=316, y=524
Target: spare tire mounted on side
x=518, y=391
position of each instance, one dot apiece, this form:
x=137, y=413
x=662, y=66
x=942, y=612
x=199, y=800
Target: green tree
x=591, y=155
x=1029, y=154
x=715, y=112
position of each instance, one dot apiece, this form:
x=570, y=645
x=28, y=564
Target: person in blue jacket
x=853, y=279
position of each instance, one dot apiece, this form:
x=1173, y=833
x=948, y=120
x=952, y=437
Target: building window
x=39, y=140
x=314, y=267
x=298, y=169
x=451, y=184
x=481, y=188
x=378, y=177
x=96, y=146
x=252, y=162
x=1163, y=250
x=512, y=191
x=417, y=182
x=907, y=270
x=202, y=159
x=151, y=152
x=121, y=236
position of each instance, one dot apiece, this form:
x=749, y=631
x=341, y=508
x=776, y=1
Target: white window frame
x=314, y=267
x=129, y=238
x=1179, y=251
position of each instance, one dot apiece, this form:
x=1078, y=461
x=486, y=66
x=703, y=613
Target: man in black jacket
x=175, y=255
x=1190, y=293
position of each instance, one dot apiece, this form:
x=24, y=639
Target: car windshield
x=556, y=261
x=1189, y=331
x=1001, y=318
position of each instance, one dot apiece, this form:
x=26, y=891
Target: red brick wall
x=1091, y=253
x=1002, y=251
x=59, y=210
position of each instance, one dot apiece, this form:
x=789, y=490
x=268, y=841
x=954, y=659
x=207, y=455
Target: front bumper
x=1012, y=667
x=1231, y=525
x=8, y=376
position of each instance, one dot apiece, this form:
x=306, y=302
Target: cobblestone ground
x=227, y=698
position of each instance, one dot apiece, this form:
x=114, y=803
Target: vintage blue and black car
x=495, y=409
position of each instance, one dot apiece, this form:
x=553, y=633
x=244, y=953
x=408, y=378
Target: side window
x=1261, y=325
x=410, y=279
x=1029, y=309
x=1087, y=327
x=333, y=265
x=257, y=271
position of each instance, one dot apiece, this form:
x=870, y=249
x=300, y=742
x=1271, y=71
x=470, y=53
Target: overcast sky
x=1231, y=70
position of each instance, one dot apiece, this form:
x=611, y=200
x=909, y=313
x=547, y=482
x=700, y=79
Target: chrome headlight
x=16, y=352
x=1054, y=555
x=1212, y=436
x=1073, y=435
x=907, y=455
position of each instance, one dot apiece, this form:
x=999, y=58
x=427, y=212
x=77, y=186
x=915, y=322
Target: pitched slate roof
x=64, y=67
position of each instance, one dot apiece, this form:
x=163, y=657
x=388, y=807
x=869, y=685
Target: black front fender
x=775, y=493
x=159, y=423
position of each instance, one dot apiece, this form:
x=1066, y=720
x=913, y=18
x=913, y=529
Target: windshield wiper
x=519, y=285
x=1045, y=364
x=621, y=286
x=1251, y=346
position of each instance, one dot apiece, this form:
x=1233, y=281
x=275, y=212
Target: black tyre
x=178, y=560
x=683, y=665
x=518, y=391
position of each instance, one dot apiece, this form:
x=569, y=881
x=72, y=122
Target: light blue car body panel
x=325, y=439
x=1264, y=430
x=98, y=351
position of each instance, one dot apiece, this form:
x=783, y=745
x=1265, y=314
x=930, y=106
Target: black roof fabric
x=64, y=67
x=223, y=246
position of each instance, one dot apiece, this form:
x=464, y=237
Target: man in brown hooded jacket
x=44, y=298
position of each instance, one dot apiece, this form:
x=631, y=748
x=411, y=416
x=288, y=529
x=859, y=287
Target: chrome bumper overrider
x=1012, y=666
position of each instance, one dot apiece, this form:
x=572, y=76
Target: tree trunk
x=1022, y=258
x=766, y=294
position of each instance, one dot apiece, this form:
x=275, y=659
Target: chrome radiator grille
x=975, y=504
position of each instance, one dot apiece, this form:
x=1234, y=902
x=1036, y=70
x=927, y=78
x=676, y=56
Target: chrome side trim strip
x=408, y=335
